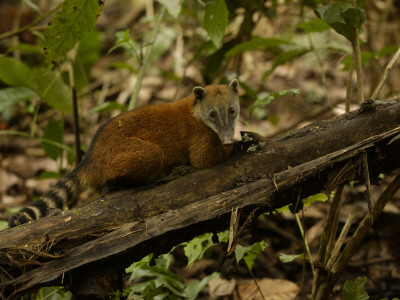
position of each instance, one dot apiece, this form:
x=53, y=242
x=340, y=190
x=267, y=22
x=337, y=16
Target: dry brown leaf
x=272, y=289
x=220, y=287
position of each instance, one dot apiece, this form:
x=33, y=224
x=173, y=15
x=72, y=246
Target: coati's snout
x=218, y=109
x=226, y=135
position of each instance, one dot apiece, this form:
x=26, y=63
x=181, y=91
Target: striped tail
x=64, y=192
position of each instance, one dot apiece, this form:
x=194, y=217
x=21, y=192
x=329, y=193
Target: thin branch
x=74, y=97
x=385, y=74
x=357, y=55
x=326, y=238
x=336, y=250
x=337, y=199
x=142, y=70
x=348, y=86
x=305, y=242
x=358, y=236
x=367, y=181
x=30, y=25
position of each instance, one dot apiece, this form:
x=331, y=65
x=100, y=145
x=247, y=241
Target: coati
x=144, y=144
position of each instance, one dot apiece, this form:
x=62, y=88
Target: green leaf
x=195, y=287
x=164, y=260
x=133, y=268
x=283, y=58
x=249, y=253
x=15, y=73
x=108, y=106
x=282, y=209
x=53, y=293
x=386, y=50
x=48, y=174
x=267, y=98
x=26, y=48
x=342, y=17
x=52, y=89
x=321, y=197
x=311, y=3
x=366, y=56
x=125, y=41
x=223, y=236
x=195, y=249
x=286, y=258
x=54, y=132
x=255, y=43
x=316, y=25
x=215, y=20
x=50, y=293
x=68, y=26
x=87, y=55
x=354, y=16
x=9, y=97
x=354, y=290
x=173, y=6
x=156, y=278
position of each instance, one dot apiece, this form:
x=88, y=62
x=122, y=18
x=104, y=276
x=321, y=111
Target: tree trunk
x=123, y=226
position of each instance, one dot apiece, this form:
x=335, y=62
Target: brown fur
x=144, y=144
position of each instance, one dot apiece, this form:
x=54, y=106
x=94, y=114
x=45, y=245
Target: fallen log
x=122, y=226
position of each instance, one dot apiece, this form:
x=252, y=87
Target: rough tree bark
x=125, y=225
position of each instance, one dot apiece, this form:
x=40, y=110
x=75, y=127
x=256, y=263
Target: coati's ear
x=234, y=84
x=199, y=93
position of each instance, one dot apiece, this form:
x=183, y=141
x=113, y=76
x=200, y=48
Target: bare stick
x=138, y=83
x=336, y=250
x=29, y=26
x=348, y=87
x=337, y=200
x=385, y=74
x=357, y=55
x=327, y=232
x=362, y=230
x=367, y=181
x=305, y=241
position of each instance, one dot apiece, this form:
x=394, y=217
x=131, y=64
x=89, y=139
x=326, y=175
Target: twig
x=348, y=86
x=305, y=241
x=385, y=74
x=367, y=181
x=326, y=238
x=72, y=57
x=30, y=25
x=337, y=199
x=233, y=226
x=258, y=287
x=336, y=250
x=15, y=25
x=358, y=236
x=142, y=70
x=357, y=54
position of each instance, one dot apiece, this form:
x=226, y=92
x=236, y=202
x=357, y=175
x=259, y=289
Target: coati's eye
x=212, y=114
x=232, y=110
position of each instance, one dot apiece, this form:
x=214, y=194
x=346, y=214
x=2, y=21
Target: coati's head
x=218, y=107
